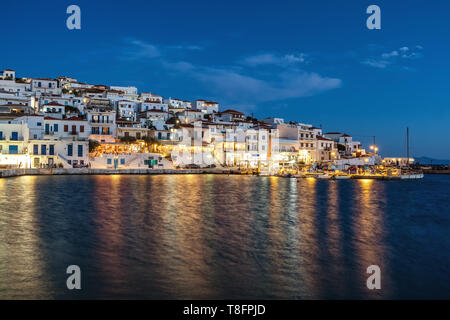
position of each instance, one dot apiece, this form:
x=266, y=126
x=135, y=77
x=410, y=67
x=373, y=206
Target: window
x=47, y=128
x=108, y=161
x=74, y=129
x=35, y=149
x=122, y=161
x=66, y=128
x=39, y=84
x=70, y=150
x=39, y=124
x=138, y=135
x=13, y=149
x=55, y=127
x=43, y=149
x=49, y=84
x=81, y=128
x=14, y=136
x=1, y=135
x=51, y=150
x=80, y=150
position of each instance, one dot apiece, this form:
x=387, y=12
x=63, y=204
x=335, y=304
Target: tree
x=70, y=109
x=251, y=119
x=151, y=143
x=93, y=144
x=128, y=139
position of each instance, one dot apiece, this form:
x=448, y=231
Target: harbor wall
x=4, y=173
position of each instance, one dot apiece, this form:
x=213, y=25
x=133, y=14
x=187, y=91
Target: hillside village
x=64, y=123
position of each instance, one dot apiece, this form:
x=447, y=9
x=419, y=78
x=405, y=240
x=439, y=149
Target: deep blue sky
x=309, y=61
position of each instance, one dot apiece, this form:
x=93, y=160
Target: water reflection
x=212, y=237
x=22, y=269
x=369, y=232
x=308, y=250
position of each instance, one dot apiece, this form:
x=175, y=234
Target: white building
x=205, y=106
x=74, y=128
x=102, y=124
x=22, y=145
x=154, y=105
x=126, y=109
x=8, y=74
x=190, y=115
x=351, y=147
x=125, y=90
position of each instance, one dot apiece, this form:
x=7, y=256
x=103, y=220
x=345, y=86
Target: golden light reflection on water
x=109, y=238
x=185, y=213
x=283, y=237
x=21, y=261
x=196, y=236
x=275, y=237
x=309, y=246
x=369, y=229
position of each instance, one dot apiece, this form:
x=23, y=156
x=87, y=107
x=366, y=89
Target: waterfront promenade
x=86, y=171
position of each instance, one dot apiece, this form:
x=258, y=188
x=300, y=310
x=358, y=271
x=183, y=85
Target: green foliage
x=70, y=109
x=128, y=139
x=93, y=144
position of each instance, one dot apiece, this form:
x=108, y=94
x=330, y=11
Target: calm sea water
x=217, y=236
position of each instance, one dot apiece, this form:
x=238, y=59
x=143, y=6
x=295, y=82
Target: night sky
x=308, y=61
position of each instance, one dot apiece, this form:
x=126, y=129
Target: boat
x=410, y=173
x=324, y=176
x=412, y=176
x=341, y=177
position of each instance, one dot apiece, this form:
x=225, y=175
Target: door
x=116, y=163
x=36, y=163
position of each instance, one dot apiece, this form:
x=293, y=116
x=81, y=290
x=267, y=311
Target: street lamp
x=374, y=148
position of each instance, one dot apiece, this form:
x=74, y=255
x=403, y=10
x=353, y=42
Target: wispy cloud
x=376, y=63
x=394, y=57
x=237, y=87
x=136, y=49
x=187, y=47
x=237, y=84
x=274, y=59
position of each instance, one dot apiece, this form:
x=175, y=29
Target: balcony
x=11, y=139
x=101, y=122
x=6, y=152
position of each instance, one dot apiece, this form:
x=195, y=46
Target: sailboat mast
x=407, y=146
